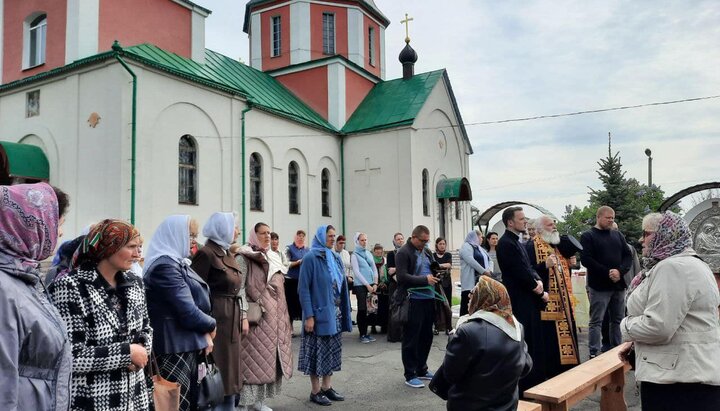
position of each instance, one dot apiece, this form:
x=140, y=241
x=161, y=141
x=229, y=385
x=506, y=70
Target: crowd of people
x=81, y=336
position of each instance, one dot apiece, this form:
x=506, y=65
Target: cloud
x=510, y=59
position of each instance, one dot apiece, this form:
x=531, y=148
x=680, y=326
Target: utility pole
x=648, y=153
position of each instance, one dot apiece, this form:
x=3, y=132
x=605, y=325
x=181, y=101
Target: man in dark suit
x=414, y=275
x=525, y=289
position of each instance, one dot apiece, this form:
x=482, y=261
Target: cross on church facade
x=406, y=22
x=368, y=170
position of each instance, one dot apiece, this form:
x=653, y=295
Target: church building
x=120, y=104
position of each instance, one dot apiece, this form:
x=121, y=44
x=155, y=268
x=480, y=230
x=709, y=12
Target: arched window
x=35, y=35
x=187, y=170
x=294, y=188
x=425, y=192
x=325, y=192
x=256, y=197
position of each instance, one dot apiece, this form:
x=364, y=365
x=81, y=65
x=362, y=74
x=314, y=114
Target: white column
x=299, y=32
x=356, y=37
x=382, y=52
x=255, y=41
x=336, y=94
x=82, y=30
x=197, y=45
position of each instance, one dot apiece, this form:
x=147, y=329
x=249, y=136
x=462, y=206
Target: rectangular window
x=328, y=33
x=458, y=211
x=276, y=27
x=371, y=45
x=38, y=34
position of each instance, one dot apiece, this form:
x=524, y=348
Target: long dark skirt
x=293, y=299
x=183, y=369
x=394, y=329
x=383, y=311
x=679, y=396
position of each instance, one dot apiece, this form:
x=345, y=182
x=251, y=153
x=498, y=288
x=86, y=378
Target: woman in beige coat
x=266, y=352
x=673, y=321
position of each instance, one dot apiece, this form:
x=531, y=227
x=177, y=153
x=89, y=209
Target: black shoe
x=320, y=398
x=332, y=394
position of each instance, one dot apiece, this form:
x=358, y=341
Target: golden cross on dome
x=406, y=22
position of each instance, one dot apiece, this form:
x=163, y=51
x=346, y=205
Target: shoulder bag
x=166, y=394
x=211, y=391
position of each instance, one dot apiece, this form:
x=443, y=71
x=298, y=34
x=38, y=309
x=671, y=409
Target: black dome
x=408, y=55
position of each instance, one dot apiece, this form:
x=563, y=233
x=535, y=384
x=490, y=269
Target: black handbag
x=399, y=309
x=211, y=390
x=439, y=385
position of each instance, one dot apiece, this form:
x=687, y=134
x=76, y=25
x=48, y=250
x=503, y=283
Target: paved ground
x=371, y=379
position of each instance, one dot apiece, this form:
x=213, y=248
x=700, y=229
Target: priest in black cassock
x=559, y=340
x=525, y=288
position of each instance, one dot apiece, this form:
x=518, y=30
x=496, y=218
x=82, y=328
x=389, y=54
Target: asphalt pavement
x=372, y=379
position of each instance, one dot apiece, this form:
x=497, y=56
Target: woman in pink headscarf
x=35, y=356
x=266, y=352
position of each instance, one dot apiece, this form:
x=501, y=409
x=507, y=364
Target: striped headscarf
x=490, y=295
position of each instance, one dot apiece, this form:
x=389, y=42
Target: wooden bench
x=528, y=406
x=605, y=371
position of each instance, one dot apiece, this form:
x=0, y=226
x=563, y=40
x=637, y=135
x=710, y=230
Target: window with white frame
x=294, y=188
x=458, y=210
x=328, y=33
x=187, y=170
x=256, y=198
x=325, y=192
x=276, y=27
x=371, y=45
x=35, y=41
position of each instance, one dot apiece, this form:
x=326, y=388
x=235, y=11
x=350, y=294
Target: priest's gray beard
x=552, y=237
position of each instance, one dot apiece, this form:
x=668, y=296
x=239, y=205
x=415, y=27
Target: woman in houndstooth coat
x=103, y=305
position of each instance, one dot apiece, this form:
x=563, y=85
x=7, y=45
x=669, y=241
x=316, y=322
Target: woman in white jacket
x=474, y=262
x=673, y=321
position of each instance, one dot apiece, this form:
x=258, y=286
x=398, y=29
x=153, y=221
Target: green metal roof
x=393, y=103
x=454, y=189
x=26, y=161
x=228, y=74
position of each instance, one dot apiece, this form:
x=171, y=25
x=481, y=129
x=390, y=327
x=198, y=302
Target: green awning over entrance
x=454, y=189
x=27, y=161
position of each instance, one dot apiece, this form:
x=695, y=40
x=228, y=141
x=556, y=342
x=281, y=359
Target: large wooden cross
x=406, y=22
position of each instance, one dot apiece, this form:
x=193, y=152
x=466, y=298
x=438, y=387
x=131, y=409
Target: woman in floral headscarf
x=672, y=321
x=35, y=356
x=486, y=354
x=103, y=305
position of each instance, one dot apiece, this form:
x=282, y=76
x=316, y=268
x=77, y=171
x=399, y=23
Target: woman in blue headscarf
x=474, y=262
x=326, y=314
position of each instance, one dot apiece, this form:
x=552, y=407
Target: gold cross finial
x=406, y=22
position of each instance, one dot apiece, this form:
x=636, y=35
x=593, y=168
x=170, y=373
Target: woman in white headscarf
x=178, y=305
x=366, y=278
x=266, y=352
x=219, y=269
x=474, y=262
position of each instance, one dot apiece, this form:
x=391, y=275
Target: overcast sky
x=517, y=59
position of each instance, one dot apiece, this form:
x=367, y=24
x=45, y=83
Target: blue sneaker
x=370, y=338
x=428, y=376
x=364, y=339
x=415, y=383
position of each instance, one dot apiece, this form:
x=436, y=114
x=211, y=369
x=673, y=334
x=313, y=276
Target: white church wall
x=84, y=161
x=281, y=141
x=168, y=109
x=378, y=190
x=439, y=147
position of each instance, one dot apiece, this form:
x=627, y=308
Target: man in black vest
x=413, y=271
